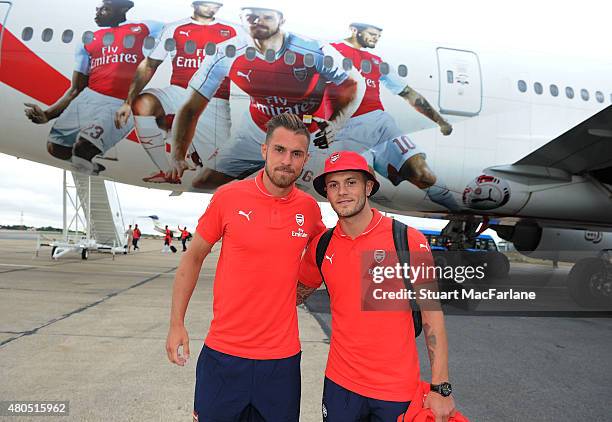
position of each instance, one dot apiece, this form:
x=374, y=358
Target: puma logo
x=330, y=258
x=185, y=33
x=246, y=76
x=424, y=246
x=245, y=215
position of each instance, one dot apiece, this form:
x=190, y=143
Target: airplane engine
x=552, y=243
x=590, y=279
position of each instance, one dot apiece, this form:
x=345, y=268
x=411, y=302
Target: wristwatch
x=444, y=389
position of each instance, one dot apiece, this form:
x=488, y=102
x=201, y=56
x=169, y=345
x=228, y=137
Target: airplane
x=518, y=142
x=159, y=227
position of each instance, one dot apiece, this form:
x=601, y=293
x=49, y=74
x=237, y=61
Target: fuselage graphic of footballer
x=104, y=68
x=154, y=109
x=374, y=132
x=280, y=72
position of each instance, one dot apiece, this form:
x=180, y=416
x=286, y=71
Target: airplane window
x=88, y=37
x=522, y=86
x=108, y=39
x=450, y=77
x=230, y=51
x=27, y=34
x=250, y=53
x=584, y=94
x=290, y=58
x=129, y=41
x=402, y=70
x=537, y=87
x=554, y=90
x=347, y=64
x=170, y=44
x=385, y=68
x=67, y=36
x=366, y=66
x=47, y=35
x=309, y=60
x=569, y=92
x=328, y=62
x=600, y=97
x=149, y=43
x=190, y=47
x=270, y=55
x=210, y=49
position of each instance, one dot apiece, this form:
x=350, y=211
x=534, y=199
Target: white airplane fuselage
x=477, y=91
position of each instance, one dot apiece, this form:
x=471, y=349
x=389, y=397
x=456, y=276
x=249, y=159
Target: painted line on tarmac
x=82, y=308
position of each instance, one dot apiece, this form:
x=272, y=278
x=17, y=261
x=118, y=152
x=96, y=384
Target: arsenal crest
x=379, y=256
x=300, y=73
x=299, y=218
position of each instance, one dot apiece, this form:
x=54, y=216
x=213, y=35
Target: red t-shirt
x=372, y=353
x=255, y=283
x=184, y=63
x=111, y=67
x=371, y=99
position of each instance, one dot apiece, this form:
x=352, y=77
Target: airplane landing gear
x=590, y=281
x=459, y=236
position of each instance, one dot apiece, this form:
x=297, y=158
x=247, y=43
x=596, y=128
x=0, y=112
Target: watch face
x=446, y=389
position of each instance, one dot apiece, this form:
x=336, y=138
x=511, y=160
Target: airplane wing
x=584, y=149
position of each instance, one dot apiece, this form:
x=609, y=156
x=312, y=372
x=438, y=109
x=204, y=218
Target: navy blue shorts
x=342, y=405
x=229, y=388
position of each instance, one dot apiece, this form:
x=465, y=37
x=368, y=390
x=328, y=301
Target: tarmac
x=93, y=333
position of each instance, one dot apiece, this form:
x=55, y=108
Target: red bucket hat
x=344, y=161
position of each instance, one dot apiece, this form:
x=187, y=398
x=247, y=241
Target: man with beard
x=391, y=152
x=249, y=367
x=155, y=108
x=373, y=369
x=104, y=69
x=282, y=73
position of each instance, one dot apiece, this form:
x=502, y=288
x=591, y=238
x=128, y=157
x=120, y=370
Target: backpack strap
x=400, y=240
x=322, y=248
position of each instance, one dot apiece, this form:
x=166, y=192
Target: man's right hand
x=176, y=170
x=177, y=337
x=36, y=114
x=122, y=115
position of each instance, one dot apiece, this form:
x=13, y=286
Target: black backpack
x=400, y=240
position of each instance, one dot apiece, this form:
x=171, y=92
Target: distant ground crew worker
x=130, y=237
x=184, y=237
x=249, y=366
x=373, y=368
x=136, y=237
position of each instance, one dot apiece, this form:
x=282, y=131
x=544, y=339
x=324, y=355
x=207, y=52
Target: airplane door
x=460, y=79
x=5, y=8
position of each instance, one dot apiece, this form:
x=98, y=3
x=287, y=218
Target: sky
x=32, y=193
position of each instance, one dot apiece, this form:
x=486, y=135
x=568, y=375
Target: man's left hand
x=442, y=407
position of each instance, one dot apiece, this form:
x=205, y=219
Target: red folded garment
x=417, y=413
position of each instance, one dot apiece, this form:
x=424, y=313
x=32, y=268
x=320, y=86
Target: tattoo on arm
x=431, y=341
x=303, y=292
x=420, y=103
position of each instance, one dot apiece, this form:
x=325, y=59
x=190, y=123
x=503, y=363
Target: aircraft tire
x=587, y=285
x=498, y=265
